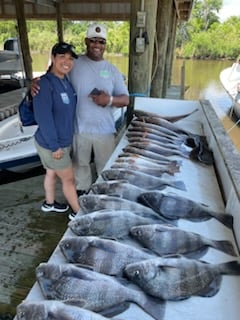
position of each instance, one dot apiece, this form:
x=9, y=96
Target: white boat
x=230, y=79
x=10, y=58
x=17, y=150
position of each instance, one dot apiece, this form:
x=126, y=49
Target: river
x=201, y=78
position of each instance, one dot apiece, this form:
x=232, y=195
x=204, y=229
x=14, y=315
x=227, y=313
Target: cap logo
x=98, y=29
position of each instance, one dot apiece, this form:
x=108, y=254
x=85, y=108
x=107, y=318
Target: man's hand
x=101, y=99
x=35, y=87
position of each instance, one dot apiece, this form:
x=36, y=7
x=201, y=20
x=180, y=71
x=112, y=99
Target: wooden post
x=23, y=36
x=140, y=62
x=59, y=21
x=163, y=26
x=170, y=51
x=182, y=85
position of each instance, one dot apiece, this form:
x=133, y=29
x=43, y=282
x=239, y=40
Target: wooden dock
x=27, y=237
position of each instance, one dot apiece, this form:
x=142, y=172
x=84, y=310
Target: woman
x=54, y=111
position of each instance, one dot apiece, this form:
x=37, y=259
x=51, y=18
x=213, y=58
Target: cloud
x=229, y=8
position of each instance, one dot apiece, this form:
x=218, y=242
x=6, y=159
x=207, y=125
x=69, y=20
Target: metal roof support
x=23, y=35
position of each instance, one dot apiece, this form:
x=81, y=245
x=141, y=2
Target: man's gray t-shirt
x=86, y=75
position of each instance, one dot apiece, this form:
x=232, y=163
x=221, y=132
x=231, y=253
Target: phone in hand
x=95, y=92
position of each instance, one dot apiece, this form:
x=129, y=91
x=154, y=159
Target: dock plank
x=27, y=238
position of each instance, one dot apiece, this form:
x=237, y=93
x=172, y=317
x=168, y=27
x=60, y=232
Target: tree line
x=203, y=36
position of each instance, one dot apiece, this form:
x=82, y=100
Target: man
x=99, y=87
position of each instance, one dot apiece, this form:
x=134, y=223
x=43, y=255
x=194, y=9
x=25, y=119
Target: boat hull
x=230, y=79
x=17, y=150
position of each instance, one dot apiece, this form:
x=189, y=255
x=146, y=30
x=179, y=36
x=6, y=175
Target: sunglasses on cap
x=62, y=48
x=96, y=40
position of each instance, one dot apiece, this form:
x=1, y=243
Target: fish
x=92, y=290
x=166, y=240
x=174, y=207
x=168, y=133
x=153, y=135
x=167, y=125
x=153, y=171
x=127, y=156
x=109, y=223
x=171, y=131
x=169, y=168
x=159, y=149
x=202, y=153
x=196, y=141
x=118, y=188
x=146, y=153
x=102, y=255
x=94, y=202
x=54, y=309
x=139, y=113
x=142, y=180
x=178, y=278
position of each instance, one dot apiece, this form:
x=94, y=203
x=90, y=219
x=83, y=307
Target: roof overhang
x=183, y=8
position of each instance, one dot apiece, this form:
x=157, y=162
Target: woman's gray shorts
x=54, y=164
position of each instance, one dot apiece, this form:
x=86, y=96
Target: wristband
x=110, y=102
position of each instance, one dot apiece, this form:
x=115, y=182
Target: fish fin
x=85, y=266
x=75, y=302
x=155, y=307
x=225, y=246
x=231, y=268
x=184, y=152
x=212, y=289
x=197, y=253
x=178, y=185
x=115, y=310
x=58, y=316
x=224, y=218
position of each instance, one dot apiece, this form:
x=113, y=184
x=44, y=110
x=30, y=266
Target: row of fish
x=127, y=246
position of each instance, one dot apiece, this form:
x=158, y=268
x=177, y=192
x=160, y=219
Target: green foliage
x=43, y=34
x=203, y=36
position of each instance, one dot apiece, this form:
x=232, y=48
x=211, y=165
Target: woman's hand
x=57, y=155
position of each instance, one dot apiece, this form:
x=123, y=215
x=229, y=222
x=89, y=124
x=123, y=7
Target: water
x=201, y=76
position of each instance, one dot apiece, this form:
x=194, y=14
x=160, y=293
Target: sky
x=229, y=8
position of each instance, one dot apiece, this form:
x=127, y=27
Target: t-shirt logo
x=104, y=74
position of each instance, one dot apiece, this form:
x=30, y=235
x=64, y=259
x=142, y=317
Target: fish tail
x=178, y=185
x=184, y=152
x=154, y=307
x=225, y=246
x=224, y=218
x=173, y=168
x=231, y=268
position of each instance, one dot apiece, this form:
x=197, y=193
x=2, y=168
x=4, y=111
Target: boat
x=10, y=58
x=17, y=150
x=230, y=79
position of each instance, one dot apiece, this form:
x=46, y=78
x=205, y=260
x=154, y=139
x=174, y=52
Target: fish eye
x=136, y=273
x=67, y=245
x=21, y=315
x=138, y=233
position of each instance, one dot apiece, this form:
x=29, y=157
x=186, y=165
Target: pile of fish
x=127, y=248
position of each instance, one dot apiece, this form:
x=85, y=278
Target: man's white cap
x=96, y=30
